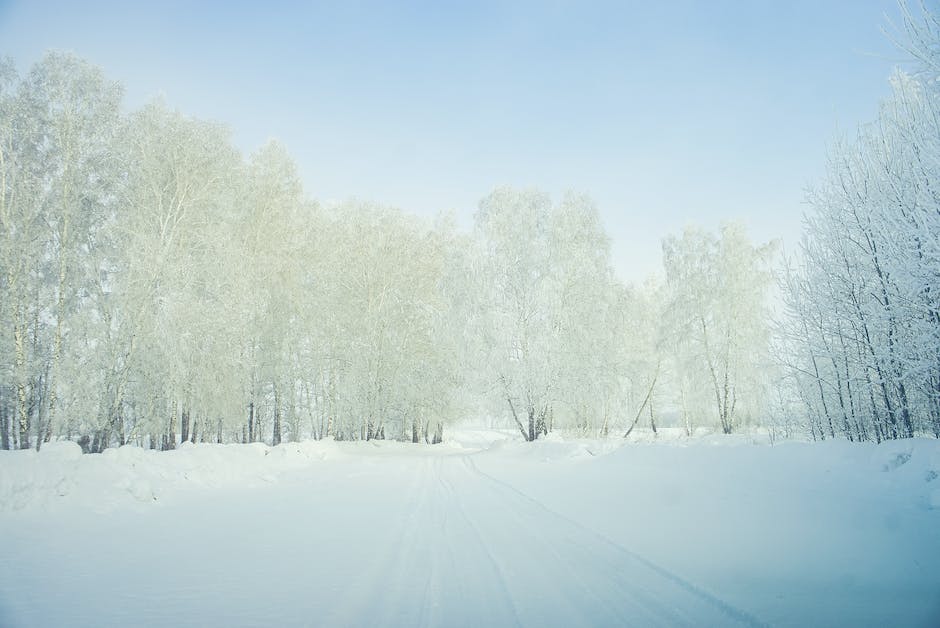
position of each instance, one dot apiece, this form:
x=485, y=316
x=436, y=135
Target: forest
x=158, y=286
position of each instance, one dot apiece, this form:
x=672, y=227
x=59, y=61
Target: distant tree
x=717, y=299
x=545, y=287
x=392, y=359
x=646, y=352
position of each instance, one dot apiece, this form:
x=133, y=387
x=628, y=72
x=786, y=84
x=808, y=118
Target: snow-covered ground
x=481, y=531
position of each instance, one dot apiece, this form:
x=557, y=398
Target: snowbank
x=59, y=476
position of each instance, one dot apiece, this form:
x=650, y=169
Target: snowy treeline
x=158, y=286
x=863, y=300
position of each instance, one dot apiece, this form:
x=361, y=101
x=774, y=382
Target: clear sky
x=665, y=112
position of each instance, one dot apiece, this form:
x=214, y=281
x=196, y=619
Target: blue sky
x=666, y=113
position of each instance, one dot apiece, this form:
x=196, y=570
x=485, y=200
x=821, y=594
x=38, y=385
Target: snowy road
x=476, y=552
x=424, y=540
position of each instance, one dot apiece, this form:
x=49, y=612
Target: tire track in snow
x=561, y=577
x=383, y=596
x=454, y=499
x=515, y=495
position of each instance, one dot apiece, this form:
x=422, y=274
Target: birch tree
x=180, y=172
x=545, y=287
x=78, y=113
x=718, y=289
x=21, y=247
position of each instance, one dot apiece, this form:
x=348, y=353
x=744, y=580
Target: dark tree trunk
x=541, y=427
x=100, y=443
x=25, y=425
x=515, y=417
x=251, y=422
x=906, y=421
x=276, y=436
x=122, y=432
x=4, y=426
x=652, y=418
x=646, y=400
x=171, y=433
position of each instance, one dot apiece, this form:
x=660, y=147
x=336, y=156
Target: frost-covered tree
x=22, y=242
x=58, y=181
x=717, y=300
x=863, y=311
x=545, y=288
x=78, y=113
x=585, y=311
x=646, y=351
x=391, y=362
x=863, y=301
x=180, y=173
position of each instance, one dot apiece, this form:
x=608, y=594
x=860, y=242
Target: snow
x=483, y=530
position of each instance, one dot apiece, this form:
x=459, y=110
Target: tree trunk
x=171, y=432
x=515, y=417
x=512, y=407
x=276, y=435
x=101, y=440
x=4, y=426
x=646, y=400
x=652, y=418
x=25, y=425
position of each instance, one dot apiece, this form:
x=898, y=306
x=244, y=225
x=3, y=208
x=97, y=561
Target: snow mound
x=60, y=475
